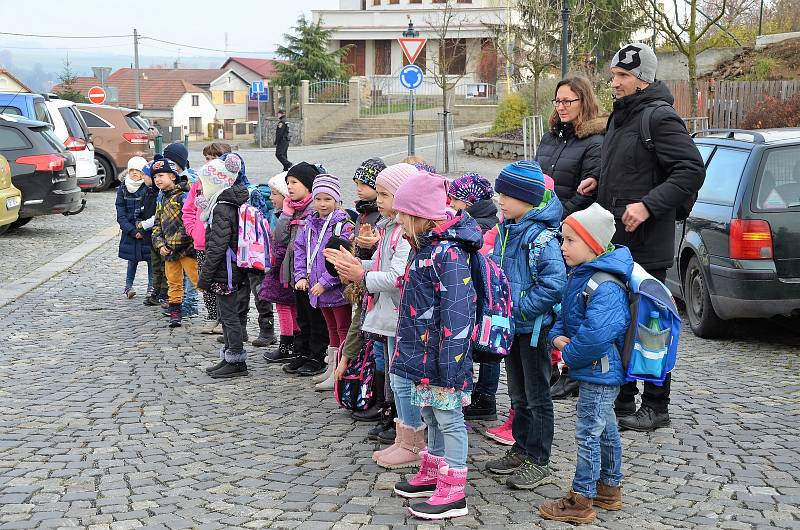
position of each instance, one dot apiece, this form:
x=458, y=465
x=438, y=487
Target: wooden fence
x=726, y=103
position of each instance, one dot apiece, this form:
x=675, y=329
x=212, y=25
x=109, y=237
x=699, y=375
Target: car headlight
x=12, y=202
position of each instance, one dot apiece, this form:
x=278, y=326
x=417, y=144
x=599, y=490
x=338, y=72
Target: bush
x=510, y=112
x=771, y=113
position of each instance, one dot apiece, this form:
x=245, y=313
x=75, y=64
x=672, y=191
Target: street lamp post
x=412, y=99
x=564, y=38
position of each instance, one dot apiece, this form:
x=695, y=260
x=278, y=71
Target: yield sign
x=411, y=47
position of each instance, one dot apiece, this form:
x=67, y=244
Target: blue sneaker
x=189, y=310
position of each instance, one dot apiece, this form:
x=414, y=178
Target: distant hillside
x=774, y=62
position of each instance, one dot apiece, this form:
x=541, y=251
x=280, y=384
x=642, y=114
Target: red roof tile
x=196, y=76
x=154, y=93
x=263, y=67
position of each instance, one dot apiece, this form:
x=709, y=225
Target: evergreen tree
x=67, y=91
x=307, y=56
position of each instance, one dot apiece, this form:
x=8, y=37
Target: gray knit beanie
x=637, y=58
x=594, y=225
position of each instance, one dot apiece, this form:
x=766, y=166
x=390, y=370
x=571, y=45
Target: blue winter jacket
x=511, y=252
x=437, y=307
x=130, y=210
x=597, y=332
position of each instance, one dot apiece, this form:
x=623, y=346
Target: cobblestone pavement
x=107, y=420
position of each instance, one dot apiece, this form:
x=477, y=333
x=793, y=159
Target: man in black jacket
x=643, y=184
x=282, y=141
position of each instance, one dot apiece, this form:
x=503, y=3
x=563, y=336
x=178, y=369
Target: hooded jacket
x=569, y=154
x=485, y=214
x=381, y=280
x=662, y=179
x=130, y=211
x=596, y=331
x=437, y=307
x=168, y=230
x=223, y=234
x=273, y=289
x=511, y=252
x=191, y=219
x=310, y=237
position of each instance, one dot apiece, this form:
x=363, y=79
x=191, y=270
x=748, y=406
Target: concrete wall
x=763, y=40
x=322, y=118
x=672, y=65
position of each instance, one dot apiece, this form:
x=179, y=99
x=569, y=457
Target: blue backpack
x=648, y=355
x=494, y=318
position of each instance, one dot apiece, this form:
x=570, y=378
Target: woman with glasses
x=570, y=153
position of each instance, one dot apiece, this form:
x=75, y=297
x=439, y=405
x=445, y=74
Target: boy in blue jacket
x=527, y=251
x=590, y=333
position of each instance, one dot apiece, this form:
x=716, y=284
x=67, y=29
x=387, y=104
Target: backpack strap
x=534, y=253
x=596, y=280
x=644, y=125
x=338, y=227
x=394, y=238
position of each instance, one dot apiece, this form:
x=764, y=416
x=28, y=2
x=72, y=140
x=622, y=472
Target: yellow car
x=10, y=197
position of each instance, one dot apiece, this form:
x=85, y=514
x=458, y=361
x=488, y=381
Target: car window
x=13, y=111
x=40, y=112
x=73, y=125
x=705, y=151
x=50, y=137
x=723, y=175
x=779, y=185
x=11, y=139
x=93, y=120
x=134, y=122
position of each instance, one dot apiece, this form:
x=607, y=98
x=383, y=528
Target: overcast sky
x=255, y=25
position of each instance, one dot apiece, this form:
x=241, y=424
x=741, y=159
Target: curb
x=17, y=288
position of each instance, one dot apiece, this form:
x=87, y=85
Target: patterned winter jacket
x=168, y=230
x=596, y=331
x=437, y=308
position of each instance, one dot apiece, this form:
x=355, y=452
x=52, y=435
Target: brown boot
x=608, y=497
x=573, y=508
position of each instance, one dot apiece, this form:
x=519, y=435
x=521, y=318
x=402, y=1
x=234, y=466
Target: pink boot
x=449, y=499
x=502, y=433
x=424, y=482
x=398, y=440
x=412, y=441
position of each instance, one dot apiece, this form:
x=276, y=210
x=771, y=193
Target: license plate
x=152, y=144
x=70, y=171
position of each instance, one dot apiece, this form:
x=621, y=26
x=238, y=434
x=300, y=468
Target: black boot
x=266, y=337
x=216, y=367
x=314, y=365
x=645, y=420
x=292, y=366
x=284, y=353
x=374, y=412
x=483, y=407
x=389, y=434
x=564, y=388
x=388, y=415
x=624, y=408
x=230, y=370
x=174, y=315
x=151, y=300
x=555, y=375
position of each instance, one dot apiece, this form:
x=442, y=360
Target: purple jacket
x=272, y=288
x=308, y=239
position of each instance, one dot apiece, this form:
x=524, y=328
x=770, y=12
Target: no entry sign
x=97, y=95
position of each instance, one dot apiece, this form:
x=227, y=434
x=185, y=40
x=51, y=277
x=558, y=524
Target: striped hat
x=522, y=180
x=327, y=183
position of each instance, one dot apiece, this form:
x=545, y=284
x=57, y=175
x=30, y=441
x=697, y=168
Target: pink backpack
x=253, y=251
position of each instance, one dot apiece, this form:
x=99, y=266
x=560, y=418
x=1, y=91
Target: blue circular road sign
x=411, y=76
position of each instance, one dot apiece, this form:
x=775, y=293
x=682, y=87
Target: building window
x=228, y=97
x=453, y=56
x=195, y=101
x=195, y=125
x=394, y=2
x=383, y=57
x=376, y=2
x=414, y=1
x=463, y=1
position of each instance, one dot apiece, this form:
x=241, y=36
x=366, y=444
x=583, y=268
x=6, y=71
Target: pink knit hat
x=393, y=176
x=422, y=195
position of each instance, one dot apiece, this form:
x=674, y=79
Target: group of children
x=396, y=272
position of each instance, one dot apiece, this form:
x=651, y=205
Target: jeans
x=654, y=397
x=131, y=274
x=408, y=413
x=379, y=350
x=488, y=379
x=597, y=438
x=528, y=373
x=190, y=296
x=229, y=306
x=447, y=435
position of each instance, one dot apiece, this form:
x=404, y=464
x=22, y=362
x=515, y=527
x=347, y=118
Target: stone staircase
x=369, y=128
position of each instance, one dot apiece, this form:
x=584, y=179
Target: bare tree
x=450, y=63
x=686, y=32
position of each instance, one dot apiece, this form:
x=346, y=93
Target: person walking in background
x=282, y=141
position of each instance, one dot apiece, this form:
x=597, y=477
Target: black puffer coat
x=662, y=179
x=568, y=155
x=222, y=234
x=485, y=214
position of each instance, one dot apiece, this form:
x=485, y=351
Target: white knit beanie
x=278, y=183
x=594, y=225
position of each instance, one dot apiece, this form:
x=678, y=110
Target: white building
x=372, y=28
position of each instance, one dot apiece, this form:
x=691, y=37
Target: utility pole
x=760, y=16
x=136, y=91
x=508, y=46
x=564, y=39
x=655, y=28
x=412, y=98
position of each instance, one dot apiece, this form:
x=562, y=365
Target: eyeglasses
x=566, y=102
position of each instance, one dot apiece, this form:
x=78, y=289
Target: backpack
x=253, y=250
x=681, y=212
x=534, y=252
x=647, y=355
x=494, y=317
x=354, y=390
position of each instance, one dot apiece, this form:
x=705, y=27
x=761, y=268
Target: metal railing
x=696, y=124
x=532, y=132
x=328, y=92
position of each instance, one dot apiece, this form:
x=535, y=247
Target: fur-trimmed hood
x=586, y=129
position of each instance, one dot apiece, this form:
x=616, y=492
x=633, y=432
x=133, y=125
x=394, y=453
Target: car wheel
x=22, y=221
x=4, y=229
x=105, y=172
x=703, y=320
